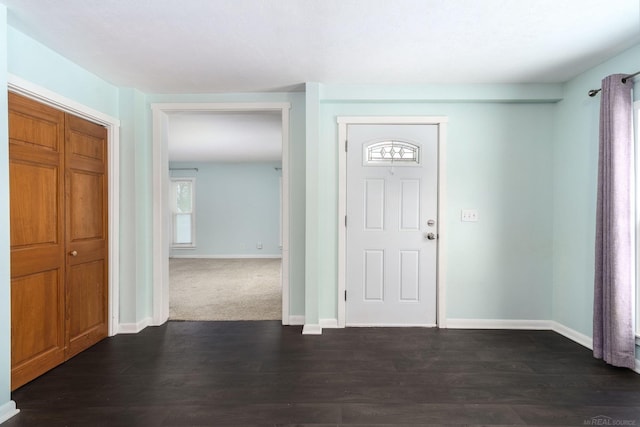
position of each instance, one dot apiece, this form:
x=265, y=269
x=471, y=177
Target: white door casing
x=161, y=228
x=391, y=188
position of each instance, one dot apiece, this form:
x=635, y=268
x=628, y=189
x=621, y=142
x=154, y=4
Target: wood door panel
x=35, y=206
x=58, y=208
x=86, y=302
x=37, y=325
x=36, y=174
x=86, y=234
x=32, y=131
x=86, y=206
x=86, y=145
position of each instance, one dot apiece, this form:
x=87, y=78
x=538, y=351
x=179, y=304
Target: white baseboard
x=250, y=256
x=295, y=320
x=572, y=334
x=329, y=323
x=499, y=324
x=8, y=410
x=134, y=328
x=312, y=330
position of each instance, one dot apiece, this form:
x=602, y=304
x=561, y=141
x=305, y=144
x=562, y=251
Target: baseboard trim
x=134, y=328
x=312, y=330
x=499, y=324
x=572, y=334
x=329, y=323
x=295, y=320
x=250, y=256
x=8, y=410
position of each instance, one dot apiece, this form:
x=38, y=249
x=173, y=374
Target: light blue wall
x=499, y=160
x=5, y=289
x=575, y=157
x=135, y=208
x=237, y=207
x=38, y=64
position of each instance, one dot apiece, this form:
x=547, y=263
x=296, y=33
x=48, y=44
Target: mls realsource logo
x=602, y=420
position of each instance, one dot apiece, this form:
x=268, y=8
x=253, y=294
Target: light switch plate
x=469, y=215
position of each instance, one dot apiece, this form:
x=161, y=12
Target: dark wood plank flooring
x=260, y=373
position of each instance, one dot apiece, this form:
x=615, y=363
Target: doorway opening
x=235, y=188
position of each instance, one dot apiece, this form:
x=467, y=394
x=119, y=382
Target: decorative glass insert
x=396, y=152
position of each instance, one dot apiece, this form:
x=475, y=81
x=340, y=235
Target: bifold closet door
x=58, y=210
x=86, y=234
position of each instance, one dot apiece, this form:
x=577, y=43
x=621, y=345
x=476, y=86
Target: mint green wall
x=297, y=178
x=38, y=64
x=575, y=157
x=237, y=205
x=499, y=160
x=136, y=268
x=5, y=289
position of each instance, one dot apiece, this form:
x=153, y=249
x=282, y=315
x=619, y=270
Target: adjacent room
x=225, y=170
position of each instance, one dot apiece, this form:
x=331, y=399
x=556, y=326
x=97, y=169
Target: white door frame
x=161, y=223
x=48, y=97
x=343, y=122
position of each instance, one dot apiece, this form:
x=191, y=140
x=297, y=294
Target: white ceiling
x=195, y=46
x=201, y=46
x=225, y=136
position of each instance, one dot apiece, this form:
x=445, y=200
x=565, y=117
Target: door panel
x=58, y=220
x=36, y=155
x=86, y=233
x=391, y=195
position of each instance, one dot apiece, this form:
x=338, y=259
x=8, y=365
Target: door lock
x=430, y=236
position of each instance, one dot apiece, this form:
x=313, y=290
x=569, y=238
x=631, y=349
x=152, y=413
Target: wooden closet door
x=86, y=234
x=36, y=182
x=59, y=236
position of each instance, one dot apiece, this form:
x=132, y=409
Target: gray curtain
x=613, y=334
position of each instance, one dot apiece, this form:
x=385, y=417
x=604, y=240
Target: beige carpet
x=224, y=289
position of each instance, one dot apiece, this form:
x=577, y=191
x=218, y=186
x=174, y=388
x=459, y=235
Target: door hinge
x=345, y=295
x=345, y=220
x=346, y=146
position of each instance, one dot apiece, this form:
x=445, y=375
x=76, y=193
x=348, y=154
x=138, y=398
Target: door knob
x=73, y=253
x=430, y=236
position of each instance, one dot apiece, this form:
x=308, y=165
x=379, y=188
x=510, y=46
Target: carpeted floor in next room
x=224, y=289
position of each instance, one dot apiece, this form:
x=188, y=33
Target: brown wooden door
x=36, y=185
x=58, y=204
x=86, y=230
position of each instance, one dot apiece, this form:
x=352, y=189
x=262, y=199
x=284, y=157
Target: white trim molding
x=441, y=261
x=134, y=328
x=112, y=124
x=309, y=329
x=499, y=324
x=8, y=410
x=296, y=320
x=572, y=334
x=161, y=228
x=244, y=256
x=328, y=323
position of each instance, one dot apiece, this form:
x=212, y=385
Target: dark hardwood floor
x=260, y=373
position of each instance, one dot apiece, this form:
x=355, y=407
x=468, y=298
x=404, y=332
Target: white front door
x=392, y=224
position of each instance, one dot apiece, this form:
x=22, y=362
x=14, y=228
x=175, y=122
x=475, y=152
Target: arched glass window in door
x=392, y=152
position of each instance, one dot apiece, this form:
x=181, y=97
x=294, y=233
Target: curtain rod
x=594, y=92
x=183, y=169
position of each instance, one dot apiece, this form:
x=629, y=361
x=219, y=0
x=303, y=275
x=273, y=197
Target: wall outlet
x=469, y=215
x=259, y=245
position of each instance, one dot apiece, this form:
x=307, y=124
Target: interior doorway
x=163, y=221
